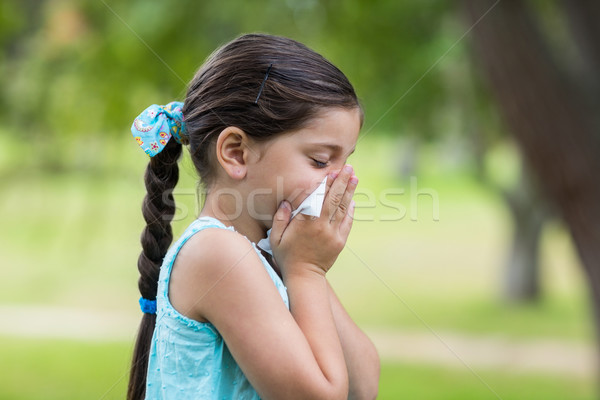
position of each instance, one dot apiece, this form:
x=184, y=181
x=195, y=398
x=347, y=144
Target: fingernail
x=285, y=204
x=354, y=180
x=333, y=175
x=348, y=168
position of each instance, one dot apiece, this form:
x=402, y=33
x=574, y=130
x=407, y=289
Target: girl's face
x=294, y=164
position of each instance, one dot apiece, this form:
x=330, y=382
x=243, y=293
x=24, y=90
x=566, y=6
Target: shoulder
x=213, y=244
x=211, y=258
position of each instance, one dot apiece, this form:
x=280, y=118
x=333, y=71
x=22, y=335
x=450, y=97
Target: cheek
x=300, y=188
x=291, y=177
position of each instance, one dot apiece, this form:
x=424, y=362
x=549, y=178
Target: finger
x=280, y=221
x=346, y=224
x=330, y=178
x=336, y=192
x=342, y=208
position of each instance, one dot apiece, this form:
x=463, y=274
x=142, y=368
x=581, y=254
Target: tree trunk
x=521, y=280
x=550, y=118
x=528, y=214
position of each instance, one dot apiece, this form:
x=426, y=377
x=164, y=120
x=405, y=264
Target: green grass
x=54, y=369
x=404, y=381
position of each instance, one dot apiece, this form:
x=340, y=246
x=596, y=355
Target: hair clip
x=262, y=85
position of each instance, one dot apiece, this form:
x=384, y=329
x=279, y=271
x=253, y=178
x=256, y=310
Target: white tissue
x=311, y=206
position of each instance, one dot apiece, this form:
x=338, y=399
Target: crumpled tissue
x=311, y=206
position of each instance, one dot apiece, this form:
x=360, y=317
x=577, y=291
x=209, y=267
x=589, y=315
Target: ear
x=233, y=151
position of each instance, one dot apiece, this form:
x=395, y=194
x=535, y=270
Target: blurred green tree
x=77, y=71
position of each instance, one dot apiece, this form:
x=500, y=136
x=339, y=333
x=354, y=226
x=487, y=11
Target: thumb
x=280, y=221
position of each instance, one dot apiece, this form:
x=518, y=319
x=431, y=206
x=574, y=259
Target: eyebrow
x=332, y=146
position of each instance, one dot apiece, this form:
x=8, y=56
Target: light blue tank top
x=189, y=359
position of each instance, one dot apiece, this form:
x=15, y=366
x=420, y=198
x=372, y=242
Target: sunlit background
x=459, y=266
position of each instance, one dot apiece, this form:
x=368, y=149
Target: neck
x=225, y=209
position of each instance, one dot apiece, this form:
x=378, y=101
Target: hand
x=315, y=243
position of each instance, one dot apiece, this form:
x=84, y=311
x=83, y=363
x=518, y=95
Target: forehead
x=334, y=126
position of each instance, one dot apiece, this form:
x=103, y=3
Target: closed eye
x=320, y=164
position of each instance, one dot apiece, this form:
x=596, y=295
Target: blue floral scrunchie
x=153, y=128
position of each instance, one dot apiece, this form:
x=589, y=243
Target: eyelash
x=320, y=164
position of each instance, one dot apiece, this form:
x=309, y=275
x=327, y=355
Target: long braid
x=158, y=209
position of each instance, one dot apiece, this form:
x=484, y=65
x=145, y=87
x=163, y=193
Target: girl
x=266, y=120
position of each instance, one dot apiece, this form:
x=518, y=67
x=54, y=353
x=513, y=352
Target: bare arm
x=362, y=360
x=284, y=355
x=308, y=292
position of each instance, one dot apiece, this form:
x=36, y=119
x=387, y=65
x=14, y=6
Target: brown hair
x=300, y=84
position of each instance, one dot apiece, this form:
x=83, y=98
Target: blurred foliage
x=74, y=70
